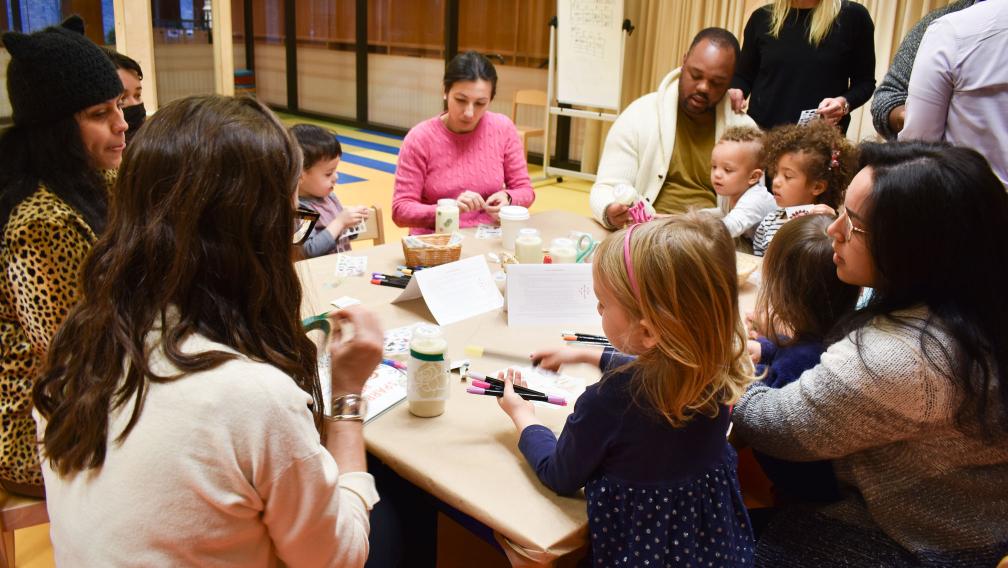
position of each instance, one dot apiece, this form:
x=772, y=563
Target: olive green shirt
x=688, y=181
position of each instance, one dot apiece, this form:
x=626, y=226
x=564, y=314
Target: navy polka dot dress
x=656, y=495
x=701, y=522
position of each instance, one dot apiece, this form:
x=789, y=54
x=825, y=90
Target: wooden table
x=468, y=457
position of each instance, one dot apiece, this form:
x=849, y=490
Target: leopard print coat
x=44, y=246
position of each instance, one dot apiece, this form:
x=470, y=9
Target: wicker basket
x=438, y=251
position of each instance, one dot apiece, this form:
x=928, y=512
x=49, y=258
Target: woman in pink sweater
x=467, y=154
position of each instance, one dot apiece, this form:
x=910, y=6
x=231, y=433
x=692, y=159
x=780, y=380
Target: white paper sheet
x=455, y=291
x=542, y=294
x=350, y=265
x=488, y=232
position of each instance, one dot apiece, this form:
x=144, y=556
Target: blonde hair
x=685, y=268
x=823, y=16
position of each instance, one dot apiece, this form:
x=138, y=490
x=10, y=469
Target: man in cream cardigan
x=661, y=144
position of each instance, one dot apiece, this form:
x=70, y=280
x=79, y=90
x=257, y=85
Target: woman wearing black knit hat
x=56, y=163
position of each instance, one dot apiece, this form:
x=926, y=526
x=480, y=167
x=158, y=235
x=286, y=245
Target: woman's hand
x=470, y=201
x=738, y=103
x=494, y=203
x=521, y=411
x=355, y=355
x=832, y=110
x=553, y=359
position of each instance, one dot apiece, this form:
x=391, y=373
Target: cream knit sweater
x=223, y=468
x=885, y=418
x=639, y=145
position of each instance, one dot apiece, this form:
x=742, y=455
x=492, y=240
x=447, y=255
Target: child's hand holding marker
x=521, y=411
x=553, y=359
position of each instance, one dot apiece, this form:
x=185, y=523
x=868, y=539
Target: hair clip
x=834, y=160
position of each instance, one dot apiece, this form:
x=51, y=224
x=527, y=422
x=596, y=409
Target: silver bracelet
x=348, y=407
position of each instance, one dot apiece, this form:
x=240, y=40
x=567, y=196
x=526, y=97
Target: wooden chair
x=529, y=97
x=18, y=512
x=375, y=227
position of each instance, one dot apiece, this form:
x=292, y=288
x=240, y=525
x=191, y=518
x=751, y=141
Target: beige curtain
x=664, y=29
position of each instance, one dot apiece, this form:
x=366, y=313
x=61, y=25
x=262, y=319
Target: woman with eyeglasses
x=180, y=408
x=56, y=163
x=911, y=403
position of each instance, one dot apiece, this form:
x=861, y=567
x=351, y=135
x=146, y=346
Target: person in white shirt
x=180, y=409
x=737, y=176
x=959, y=85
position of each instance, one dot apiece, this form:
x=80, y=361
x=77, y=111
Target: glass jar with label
x=446, y=216
x=528, y=246
x=427, y=384
x=563, y=251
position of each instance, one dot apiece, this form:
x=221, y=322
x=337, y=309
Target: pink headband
x=628, y=262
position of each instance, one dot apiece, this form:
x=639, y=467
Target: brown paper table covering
x=468, y=456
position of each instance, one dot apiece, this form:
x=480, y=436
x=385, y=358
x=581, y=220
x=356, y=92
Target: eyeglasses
x=304, y=222
x=850, y=228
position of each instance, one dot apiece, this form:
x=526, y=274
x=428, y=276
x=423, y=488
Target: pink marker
x=499, y=393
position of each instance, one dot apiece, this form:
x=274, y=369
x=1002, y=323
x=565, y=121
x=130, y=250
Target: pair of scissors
x=585, y=245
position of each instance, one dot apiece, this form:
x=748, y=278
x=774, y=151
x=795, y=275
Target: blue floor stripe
x=368, y=145
x=347, y=178
x=369, y=163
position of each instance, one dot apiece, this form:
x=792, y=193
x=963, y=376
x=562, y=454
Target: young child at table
x=811, y=164
x=322, y=152
x=647, y=442
x=737, y=173
x=801, y=299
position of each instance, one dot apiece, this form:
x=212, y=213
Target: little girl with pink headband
x=648, y=441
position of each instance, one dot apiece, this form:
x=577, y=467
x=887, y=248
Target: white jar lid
x=447, y=203
x=528, y=232
x=514, y=213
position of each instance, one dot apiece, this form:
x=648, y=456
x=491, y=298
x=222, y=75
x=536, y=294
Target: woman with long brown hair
x=181, y=406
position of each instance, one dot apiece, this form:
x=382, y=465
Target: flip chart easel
x=586, y=32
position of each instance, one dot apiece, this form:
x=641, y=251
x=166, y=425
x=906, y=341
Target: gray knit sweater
x=892, y=91
x=885, y=418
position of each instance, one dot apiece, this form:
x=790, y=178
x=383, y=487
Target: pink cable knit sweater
x=436, y=163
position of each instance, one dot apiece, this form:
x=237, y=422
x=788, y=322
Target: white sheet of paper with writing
x=350, y=265
x=455, y=291
x=542, y=294
x=552, y=384
x=488, y=232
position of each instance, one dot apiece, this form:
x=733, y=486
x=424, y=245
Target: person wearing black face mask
x=131, y=76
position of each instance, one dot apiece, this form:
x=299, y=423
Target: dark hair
x=470, y=66
x=51, y=154
x=801, y=296
x=316, y=144
x=717, y=36
x=123, y=61
x=198, y=241
x=826, y=155
x=935, y=223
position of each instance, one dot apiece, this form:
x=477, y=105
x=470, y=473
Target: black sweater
x=787, y=75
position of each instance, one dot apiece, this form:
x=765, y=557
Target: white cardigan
x=639, y=146
x=223, y=468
